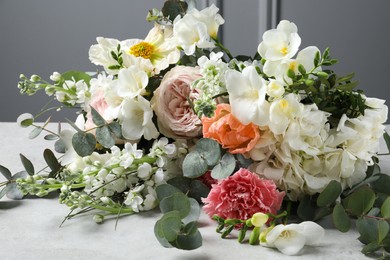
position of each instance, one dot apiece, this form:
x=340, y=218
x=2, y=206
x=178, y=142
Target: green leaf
x=345, y=78
x=330, y=194
x=194, y=213
x=189, y=242
x=72, y=124
x=385, y=209
x=97, y=119
x=347, y=87
x=51, y=160
x=370, y=248
x=244, y=162
x=169, y=226
x=317, y=58
x=209, y=150
x=176, y=202
x=27, y=164
x=291, y=74
x=5, y=190
x=5, y=172
x=84, y=143
x=14, y=193
x=387, y=140
x=361, y=201
x=368, y=230
x=306, y=209
x=301, y=69
x=25, y=120
x=383, y=230
x=35, y=132
x=159, y=234
x=76, y=75
x=340, y=219
x=115, y=128
x=190, y=228
x=198, y=190
x=165, y=190
x=104, y=137
x=59, y=146
x=225, y=167
x=382, y=184
x=50, y=137
x=194, y=165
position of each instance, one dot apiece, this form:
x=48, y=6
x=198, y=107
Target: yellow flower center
x=293, y=65
x=283, y=104
x=142, y=49
x=284, y=50
x=285, y=234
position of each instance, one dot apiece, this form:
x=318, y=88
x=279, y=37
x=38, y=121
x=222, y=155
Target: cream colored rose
x=176, y=118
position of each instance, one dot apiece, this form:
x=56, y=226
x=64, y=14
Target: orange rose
x=229, y=132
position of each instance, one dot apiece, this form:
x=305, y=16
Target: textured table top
x=30, y=228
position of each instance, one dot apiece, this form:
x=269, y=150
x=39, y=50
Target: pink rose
x=100, y=105
x=176, y=119
x=242, y=195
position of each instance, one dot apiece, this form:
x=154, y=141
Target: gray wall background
x=42, y=36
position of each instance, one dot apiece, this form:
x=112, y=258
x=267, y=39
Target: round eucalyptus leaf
x=194, y=165
x=5, y=190
x=84, y=143
x=225, y=167
x=306, y=209
x=97, y=119
x=361, y=201
x=165, y=190
x=194, y=213
x=115, y=128
x=385, y=208
x=383, y=229
x=170, y=225
x=20, y=175
x=25, y=120
x=14, y=193
x=198, y=190
x=35, y=132
x=181, y=182
x=159, y=234
x=340, y=218
x=176, y=202
x=189, y=242
x=209, y=150
x=104, y=137
x=368, y=229
x=59, y=146
x=382, y=184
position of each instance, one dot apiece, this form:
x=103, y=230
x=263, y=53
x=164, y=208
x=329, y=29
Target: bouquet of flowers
x=268, y=144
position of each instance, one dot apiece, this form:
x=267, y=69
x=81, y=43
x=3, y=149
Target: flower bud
x=99, y=219
x=259, y=219
x=55, y=76
x=35, y=78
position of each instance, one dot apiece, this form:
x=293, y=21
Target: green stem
x=113, y=210
x=59, y=185
x=220, y=45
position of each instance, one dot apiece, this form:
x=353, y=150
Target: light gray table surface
x=29, y=229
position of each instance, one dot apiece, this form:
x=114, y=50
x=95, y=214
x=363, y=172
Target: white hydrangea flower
x=247, y=96
x=280, y=43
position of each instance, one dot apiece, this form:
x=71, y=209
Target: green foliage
x=177, y=227
x=341, y=219
x=360, y=202
x=173, y=8
x=28, y=166
x=192, y=187
x=225, y=167
x=10, y=187
x=83, y=143
x=76, y=76
x=329, y=194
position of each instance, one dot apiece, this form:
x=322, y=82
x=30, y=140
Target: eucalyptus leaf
x=181, y=182
x=387, y=140
x=383, y=230
x=159, y=234
x=198, y=190
x=194, y=165
x=97, y=119
x=115, y=128
x=25, y=120
x=371, y=247
x=170, y=225
x=244, y=162
x=84, y=143
x=5, y=172
x=194, y=213
x=361, y=201
x=382, y=184
x=176, y=202
x=59, y=146
x=104, y=137
x=50, y=137
x=14, y=193
x=209, y=150
x=385, y=209
x=190, y=228
x=330, y=194
x=225, y=167
x=165, y=190
x=27, y=164
x=368, y=230
x=51, y=160
x=35, y=132
x=189, y=242
x=20, y=175
x=340, y=218
x=5, y=190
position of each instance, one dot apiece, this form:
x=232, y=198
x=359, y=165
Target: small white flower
x=290, y=239
x=144, y=171
x=280, y=43
x=282, y=111
x=55, y=76
x=275, y=89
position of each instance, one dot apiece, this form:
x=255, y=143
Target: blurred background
x=42, y=36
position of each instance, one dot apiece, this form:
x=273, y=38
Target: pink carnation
x=242, y=195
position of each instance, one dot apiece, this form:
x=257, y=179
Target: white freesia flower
x=247, y=92
x=290, y=239
x=136, y=118
x=282, y=111
x=131, y=82
x=275, y=89
x=280, y=43
x=100, y=53
x=197, y=28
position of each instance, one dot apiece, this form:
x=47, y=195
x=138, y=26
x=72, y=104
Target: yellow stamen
x=142, y=49
x=284, y=50
x=293, y=65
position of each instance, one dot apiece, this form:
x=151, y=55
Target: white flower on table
x=290, y=239
x=247, y=96
x=196, y=28
x=280, y=43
